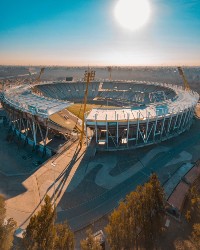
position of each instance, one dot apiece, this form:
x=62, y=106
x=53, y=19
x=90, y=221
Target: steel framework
x=29, y=115
x=125, y=134
x=30, y=128
x=125, y=128
x=155, y=117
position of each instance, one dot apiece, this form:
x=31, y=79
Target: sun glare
x=132, y=14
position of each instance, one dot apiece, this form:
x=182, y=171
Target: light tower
x=88, y=76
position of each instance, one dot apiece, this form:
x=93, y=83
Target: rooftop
x=23, y=99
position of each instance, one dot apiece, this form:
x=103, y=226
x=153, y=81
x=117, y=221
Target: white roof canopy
x=23, y=99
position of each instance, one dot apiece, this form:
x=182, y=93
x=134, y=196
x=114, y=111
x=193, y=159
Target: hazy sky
x=82, y=32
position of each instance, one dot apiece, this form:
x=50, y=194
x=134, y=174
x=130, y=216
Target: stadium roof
x=23, y=99
x=183, y=100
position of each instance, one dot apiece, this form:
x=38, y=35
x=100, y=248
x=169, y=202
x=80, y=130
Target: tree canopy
x=137, y=220
x=7, y=227
x=196, y=234
x=43, y=234
x=90, y=243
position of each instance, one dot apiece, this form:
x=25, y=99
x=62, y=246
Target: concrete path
x=24, y=205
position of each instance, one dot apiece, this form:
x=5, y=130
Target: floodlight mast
x=88, y=76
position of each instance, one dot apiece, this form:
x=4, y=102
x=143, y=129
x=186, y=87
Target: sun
x=132, y=14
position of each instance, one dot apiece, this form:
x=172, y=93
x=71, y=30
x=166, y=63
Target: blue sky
x=82, y=32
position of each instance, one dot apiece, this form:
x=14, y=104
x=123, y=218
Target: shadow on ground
x=18, y=162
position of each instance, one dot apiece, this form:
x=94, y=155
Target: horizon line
x=97, y=66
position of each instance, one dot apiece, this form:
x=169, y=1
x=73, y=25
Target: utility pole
x=88, y=76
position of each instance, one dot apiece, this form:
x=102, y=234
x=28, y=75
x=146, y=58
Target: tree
x=145, y=214
x=90, y=243
x=158, y=193
x=64, y=237
x=188, y=215
x=193, y=202
x=196, y=235
x=134, y=208
x=158, y=205
x=40, y=233
x=194, y=195
x=7, y=227
x=43, y=234
x=117, y=234
x=138, y=219
x=2, y=210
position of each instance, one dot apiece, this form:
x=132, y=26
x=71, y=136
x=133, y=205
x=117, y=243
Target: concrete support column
x=163, y=124
x=147, y=128
x=96, y=134
x=155, y=127
x=138, y=126
x=34, y=133
x=117, y=131
x=189, y=116
x=185, y=118
x=169, y=124
x=127, y=136
x=179, y=125
x=46, y=135
x=177, y=115
x=106, y=130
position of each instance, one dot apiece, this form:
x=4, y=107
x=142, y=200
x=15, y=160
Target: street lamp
x=88, y=76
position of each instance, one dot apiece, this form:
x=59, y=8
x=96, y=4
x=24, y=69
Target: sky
x=86, y=32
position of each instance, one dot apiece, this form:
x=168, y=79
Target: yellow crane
x=36, y=80
x=41, y=72
x=181, y=73
x=89, y=76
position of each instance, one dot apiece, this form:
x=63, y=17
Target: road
x=88, y=212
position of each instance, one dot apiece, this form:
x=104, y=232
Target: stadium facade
x=156, y=112
x=133, y=113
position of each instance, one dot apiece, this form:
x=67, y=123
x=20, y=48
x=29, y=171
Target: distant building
x=69, y=78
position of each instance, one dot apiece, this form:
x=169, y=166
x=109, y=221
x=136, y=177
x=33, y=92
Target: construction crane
x=181, y=73
x=34, y=89
x=88, y=76
x=41, y=72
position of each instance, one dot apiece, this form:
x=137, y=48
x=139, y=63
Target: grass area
x=77, y=109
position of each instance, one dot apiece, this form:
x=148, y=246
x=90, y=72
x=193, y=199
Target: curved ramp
x=63, y=122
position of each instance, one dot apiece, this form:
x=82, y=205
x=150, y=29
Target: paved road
x=94, y=209
x=32, y=188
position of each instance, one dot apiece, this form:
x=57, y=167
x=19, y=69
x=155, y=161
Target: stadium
x=122, y=115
